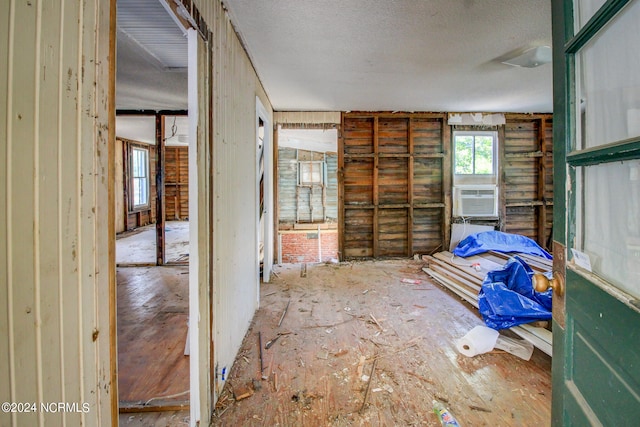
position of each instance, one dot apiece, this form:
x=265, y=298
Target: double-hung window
x=474, y=153
x=139, y=177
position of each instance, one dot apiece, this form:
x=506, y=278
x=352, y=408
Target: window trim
x=321, y=165
x=143, y=206
x=494, y=152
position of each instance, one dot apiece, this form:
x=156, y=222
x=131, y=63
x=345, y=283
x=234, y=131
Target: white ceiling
x=346, y=55
x=407, y=55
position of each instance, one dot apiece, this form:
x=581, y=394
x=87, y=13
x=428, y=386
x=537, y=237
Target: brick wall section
x=302, y=247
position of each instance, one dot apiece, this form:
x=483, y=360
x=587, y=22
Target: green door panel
x=602, y=355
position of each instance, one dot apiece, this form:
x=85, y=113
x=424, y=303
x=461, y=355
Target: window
x=310, y=173
x=474, y=153
x=139, y=177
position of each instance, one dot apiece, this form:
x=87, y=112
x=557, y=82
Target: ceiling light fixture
x=531, y=58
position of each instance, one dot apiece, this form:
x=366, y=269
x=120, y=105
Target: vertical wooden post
x=375, y=188
x=410, y=187
x=502, y=185
x=160, y=208
x=341, y=209
x=276, y=180
x=447, y=178
x=126, y=183
x=111, y=100
x=542, y=175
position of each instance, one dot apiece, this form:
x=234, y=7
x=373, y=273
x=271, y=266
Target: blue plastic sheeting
x=498, y=241
x=507, y=297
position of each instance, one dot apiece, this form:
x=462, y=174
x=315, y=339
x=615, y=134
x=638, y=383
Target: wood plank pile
x=464, y=276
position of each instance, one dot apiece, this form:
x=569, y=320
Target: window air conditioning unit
x=475, y=200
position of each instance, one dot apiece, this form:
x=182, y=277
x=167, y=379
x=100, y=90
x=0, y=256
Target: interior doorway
x=152, y=205
x=307, y=195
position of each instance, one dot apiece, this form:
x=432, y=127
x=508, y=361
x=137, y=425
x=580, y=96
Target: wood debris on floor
x=373, y=343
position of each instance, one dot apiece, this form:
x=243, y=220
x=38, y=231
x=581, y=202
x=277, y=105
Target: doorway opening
x=307, y=195
x=152, y=208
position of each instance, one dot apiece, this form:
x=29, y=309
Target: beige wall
x=54, y=270
x=54, y=234
x=235, y=212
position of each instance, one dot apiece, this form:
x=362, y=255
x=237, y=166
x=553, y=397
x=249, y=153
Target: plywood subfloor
x=153, y=307
x=343, y=317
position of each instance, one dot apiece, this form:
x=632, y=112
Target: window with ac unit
x=474, y=153
x=475, y=191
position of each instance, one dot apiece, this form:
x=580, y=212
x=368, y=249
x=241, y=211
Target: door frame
x=592, y=302
x=264, y=227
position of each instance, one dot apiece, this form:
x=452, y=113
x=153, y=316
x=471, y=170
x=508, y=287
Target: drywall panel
x=55, y=330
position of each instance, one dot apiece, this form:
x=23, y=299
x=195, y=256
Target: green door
x=596, y=354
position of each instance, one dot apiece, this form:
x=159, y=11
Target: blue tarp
x=498, y=241
x=507, y=297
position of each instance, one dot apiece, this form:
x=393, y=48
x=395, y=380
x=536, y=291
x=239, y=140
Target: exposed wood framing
x=376, y=186
x=502, y=180
x=395, y=183
x=160, y=204
x=447, y=178
x=176, y=183
x=526, y=194
x=392, y=191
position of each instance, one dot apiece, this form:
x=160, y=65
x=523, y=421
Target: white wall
x=235, y=276
x=54, y=258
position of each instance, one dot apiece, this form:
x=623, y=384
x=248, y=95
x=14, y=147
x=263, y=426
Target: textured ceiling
x=344, y=55
x=409, y=55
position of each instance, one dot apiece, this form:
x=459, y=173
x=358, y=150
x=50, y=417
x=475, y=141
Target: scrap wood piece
x=266, y=377
x=366, y=394
x=333, y=324
x=376, y=322
x=361, y=366
x=284, y=312
x=479, y=408
x=260, y=348
x=242, y=392
x=271, y=342
x=303, y=270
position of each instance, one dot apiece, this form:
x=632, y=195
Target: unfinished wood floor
x=343, y=317
x=153, y=307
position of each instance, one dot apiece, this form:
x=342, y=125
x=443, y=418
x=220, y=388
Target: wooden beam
x=447, y=178
x=276, y=194
x=542, y=174
x=111, y=135
x=502, y=179
x=160, y=207
x=341, y=208
x=375, y=188
x=410, y=188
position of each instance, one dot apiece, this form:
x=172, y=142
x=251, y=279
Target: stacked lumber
x=464, y=276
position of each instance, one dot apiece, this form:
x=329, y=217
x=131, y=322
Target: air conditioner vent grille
x=475, y=201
